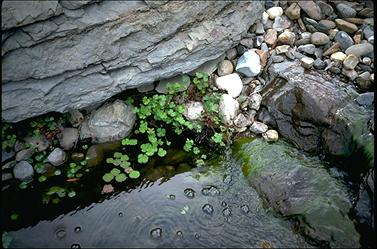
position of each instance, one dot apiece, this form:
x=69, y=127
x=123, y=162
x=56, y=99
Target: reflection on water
x=209, y=206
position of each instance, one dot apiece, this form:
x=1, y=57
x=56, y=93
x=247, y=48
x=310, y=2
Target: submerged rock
x=299, y=187
x=23, y=171
x=57, y=157
x=68, y=138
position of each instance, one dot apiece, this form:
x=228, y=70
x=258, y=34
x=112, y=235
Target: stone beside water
x=258, y=127
x=232, y=83
x=307, y=62
x=271, y=136
x=249, y=64
x=319, y=38
x=225, y=67
x=57, y=157
x=228, y=108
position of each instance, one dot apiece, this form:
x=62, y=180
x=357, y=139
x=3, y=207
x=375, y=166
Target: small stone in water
x=77, y=229
x=189, y=193
x=227, y=212
x=224, y=204
x=171, y=197
x=61, y=233
x=197, y=236
x=207, y=208
x=156, y=233
x=227, y=179
x=245, y=208
x=75, y=246
x=120, y=214
x=179, y=234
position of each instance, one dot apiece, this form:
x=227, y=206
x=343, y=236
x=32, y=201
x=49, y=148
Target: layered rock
x=318, y=114
x=80, y=54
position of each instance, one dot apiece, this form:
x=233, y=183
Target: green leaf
x=196, y=150
x=72, y=165
x=71, y=193
x=115, y=171
x=42, y=178
x=124, y=158
x=14, y=216
x=125, y=165
x=161, y=152
x=110, y=160
x=22, y=185
x=121, y=177
x=84, y=162
x=85, y=147
x=134, y=174
x=117, y=154
x=108, y=177
x=58, y=172
x=142, y=158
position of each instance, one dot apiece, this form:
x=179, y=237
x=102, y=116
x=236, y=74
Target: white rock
x=271, y=136
x=57, y=157
x=338, y=56
x=255, y=101
x=258, y=127
x=249, y=64
x=228, y=108
x=193, y=110
x=232, y=83
x=307, y=62
x=264, y=18
x=274, y=12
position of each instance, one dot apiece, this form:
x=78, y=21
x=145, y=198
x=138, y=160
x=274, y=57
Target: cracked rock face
x=72, y=55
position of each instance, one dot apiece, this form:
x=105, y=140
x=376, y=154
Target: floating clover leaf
x=120, y=177
x=134, y=174
x=161, y=152
x=108, y=177
x=142, y=158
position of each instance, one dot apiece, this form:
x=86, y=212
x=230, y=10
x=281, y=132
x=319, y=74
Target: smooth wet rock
x=274, y=12
x=111, y=122
x=344, y=10
x=319, y=38
x=307, y=62
x=225, y=67
x=183, y=80
x=297, y=186
x=348, y=27
x=259, y=28
x=344, y=40
x=270, y=37
x=232, y=83
x=271, y=136
x=249, y=64
x=311, y=9
x=338, y=56
x=281, y=23
x=25, y=154
x=328, y=24
x=23, y=171
x=68, y=138
x=308, y=48
x=366, y=12
x=228, y=107
x=293, y=11
x=57, y=157
x=258, y=127
x=368, y=33
x=351, y=61
x=360, y=49
x=326, y=9
x=287, y=37
x=365, y=99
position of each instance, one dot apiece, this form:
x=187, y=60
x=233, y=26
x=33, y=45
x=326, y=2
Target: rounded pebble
x=208, y=209
x=189, y=193
x=156, y=233
x=77, y=229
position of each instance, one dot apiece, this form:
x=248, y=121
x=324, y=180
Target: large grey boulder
x=318, y=113
x=111, y=122
x=299, y=187
x=87, y=55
